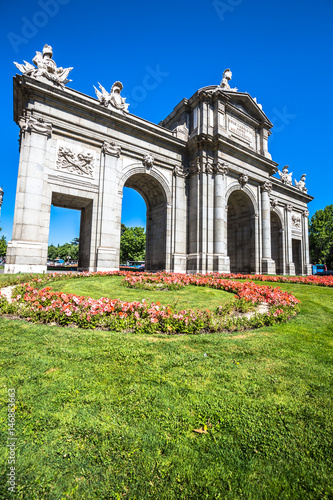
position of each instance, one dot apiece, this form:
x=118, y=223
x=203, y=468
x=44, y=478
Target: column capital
x=306, y=213
x=221, y=167
x=111, y=148
x=266, y=187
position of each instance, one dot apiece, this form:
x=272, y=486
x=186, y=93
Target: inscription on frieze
x=240, y=130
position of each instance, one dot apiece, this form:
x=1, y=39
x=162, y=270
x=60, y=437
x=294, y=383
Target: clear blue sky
x=280, y=51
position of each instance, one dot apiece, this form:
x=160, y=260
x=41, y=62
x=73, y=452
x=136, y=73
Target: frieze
x=111, y=148
x=37, y=125
x=78, y=163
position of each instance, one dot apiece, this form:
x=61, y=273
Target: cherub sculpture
x=301, y=184
x=45, y=67
x=113, y=98
x=227, y=75
x=285, y=176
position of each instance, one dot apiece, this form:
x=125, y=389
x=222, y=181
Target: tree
x=63, y=251
x=132, y=243
x=3, y=245
x=321, y=237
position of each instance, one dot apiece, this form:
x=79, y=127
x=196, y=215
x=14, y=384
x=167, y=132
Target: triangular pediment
x=245, y=103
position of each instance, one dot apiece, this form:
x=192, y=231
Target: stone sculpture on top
x=227, y=75
x=45, y=67
x=112, y=99
x=285, y=176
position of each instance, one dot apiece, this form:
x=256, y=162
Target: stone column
x=179, y=257
x=306, y=259
x=108, y=240
x=221, y=260
x=289, y=243
x=27, y=252
x=268, y=265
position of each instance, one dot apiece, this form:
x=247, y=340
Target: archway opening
x=154, y=196
x=297, y=256
x=77, y=217
x=277, y=242
x=241, y=233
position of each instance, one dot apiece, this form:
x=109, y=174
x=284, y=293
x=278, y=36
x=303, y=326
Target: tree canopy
x=132, y=243
x=67, y=250
x=321, y=237
x=3, y=245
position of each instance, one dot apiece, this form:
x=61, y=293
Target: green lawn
x=104, y=415
x=184, y=298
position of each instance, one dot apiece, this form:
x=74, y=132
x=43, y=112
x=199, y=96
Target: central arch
x=241, y=232
x=155, y=197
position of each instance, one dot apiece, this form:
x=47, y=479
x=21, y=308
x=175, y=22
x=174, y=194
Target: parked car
x=319, y=268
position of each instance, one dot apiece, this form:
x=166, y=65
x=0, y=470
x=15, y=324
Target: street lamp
x=1, y=199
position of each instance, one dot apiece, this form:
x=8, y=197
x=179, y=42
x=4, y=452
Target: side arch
x=137, y=169
x=242, y=230
x=154, y=189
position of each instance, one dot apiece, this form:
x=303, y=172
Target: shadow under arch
x=241, y=230
x=154, y=190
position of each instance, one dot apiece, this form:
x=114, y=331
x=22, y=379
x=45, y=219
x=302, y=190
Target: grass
x=106, y=286
x=103, y=415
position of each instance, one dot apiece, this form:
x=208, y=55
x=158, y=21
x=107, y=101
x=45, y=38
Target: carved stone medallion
x=78, y=163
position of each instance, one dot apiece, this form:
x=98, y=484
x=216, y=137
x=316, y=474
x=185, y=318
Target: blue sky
x=279, y=52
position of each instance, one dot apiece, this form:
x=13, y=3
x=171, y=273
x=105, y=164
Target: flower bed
x=47, y=306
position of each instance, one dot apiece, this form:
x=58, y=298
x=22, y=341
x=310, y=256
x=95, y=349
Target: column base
x=202, y=263
x=221, y=264
x=308, y=270
x=291, y=269
x=268, y=266
x=179, y=261
x=107, y=259
x=26, y=257
x=24, y=269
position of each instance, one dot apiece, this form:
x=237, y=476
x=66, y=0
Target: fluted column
x=268, y=265
x=221, y=260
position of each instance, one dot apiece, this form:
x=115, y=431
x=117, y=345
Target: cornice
x=26, y=88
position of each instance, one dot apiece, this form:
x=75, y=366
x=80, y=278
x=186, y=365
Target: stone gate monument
x=204, y=172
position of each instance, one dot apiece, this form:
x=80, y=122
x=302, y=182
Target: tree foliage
x=65, y=251
x=132, y=243
x=3, y=245
x=321, y=237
